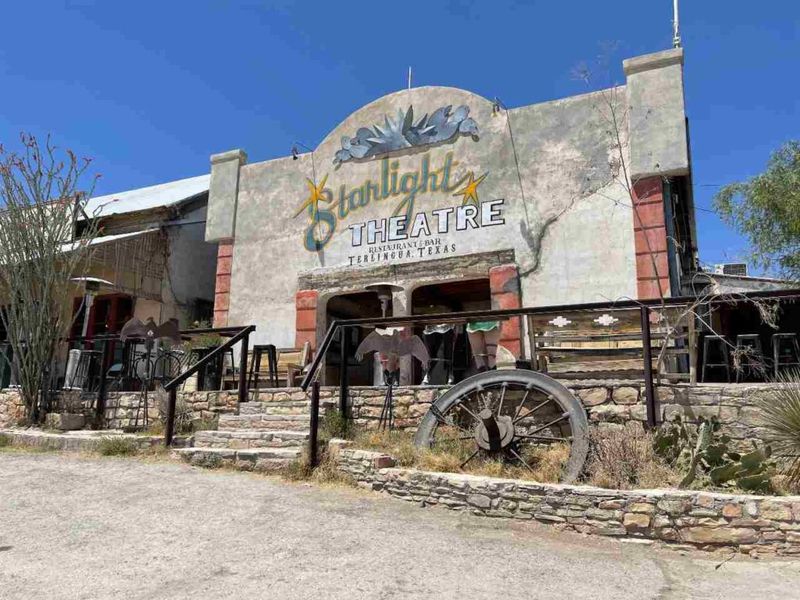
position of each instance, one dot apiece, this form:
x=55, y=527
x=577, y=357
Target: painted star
x=314, y=196
x=470, y=190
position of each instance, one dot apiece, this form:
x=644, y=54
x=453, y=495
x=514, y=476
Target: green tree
x=766, y=209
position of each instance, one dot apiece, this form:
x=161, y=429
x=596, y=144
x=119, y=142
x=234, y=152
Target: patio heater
x=91, y=287
x=384, y=292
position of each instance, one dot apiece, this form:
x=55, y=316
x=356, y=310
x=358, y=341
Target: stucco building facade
x=461, y=203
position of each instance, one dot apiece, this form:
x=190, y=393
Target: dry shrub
x=399, y=444
x=625, y=457
x=448, y=456
x=117, y=446
x=325, y=472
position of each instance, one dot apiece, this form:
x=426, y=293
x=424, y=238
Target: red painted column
x=505, y=290
x=222, y=288
x=650, y=236
x=306, y=318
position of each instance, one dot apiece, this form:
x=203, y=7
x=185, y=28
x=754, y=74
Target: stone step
x=264, y=422
x=241, y=439
x=263, y=460
x=284, y=407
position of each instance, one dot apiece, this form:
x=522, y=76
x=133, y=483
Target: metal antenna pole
x=409, y=76
x=676, y=33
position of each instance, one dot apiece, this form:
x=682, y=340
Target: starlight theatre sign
x=412, y=231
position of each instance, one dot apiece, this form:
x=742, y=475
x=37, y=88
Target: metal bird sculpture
x=390, y=343
x=149, y=331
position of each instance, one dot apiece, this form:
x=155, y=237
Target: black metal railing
x=96, y=380
x=643, y=307
x=238, y=334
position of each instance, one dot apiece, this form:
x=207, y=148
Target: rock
x=479, y=500
x=626, y=395
x=732, y=511
x=665, y=394
x=777, y=511
x=672, y=507
x=636, y=521
x=642, y=507
x=592, y=396
x=720, y=535
x=65, y=421
x=610, y=413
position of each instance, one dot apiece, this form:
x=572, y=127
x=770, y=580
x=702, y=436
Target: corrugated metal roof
x=155, y=196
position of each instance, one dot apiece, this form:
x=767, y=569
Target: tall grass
x=546, y=462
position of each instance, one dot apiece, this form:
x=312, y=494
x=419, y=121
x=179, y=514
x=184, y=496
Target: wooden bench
x=581, y=345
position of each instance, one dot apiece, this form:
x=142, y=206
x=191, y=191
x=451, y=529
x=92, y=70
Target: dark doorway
x=455, y=296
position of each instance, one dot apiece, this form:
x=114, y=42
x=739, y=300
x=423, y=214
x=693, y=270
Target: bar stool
x=211, y=376
x=255, y=365
x=785, y=351
x=719, y=344
x=748, y=347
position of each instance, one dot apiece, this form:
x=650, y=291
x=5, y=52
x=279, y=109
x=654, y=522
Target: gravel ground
x=77, y=527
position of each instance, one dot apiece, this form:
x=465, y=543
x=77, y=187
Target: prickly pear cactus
x=704, y=452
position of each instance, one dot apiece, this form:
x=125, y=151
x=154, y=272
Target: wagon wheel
x=511, y=414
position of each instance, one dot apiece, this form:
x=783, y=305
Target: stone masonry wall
x=609, y=403
x=121, y=407
x=12, y=408
x=613, y=403
x=748, y=524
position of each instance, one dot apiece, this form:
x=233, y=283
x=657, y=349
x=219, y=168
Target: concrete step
x=263, y=460
x=263, y=422
x=284, y=407
x=242, y=439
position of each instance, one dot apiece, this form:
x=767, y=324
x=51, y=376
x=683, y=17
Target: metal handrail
x=243, y=335
x=495, y=314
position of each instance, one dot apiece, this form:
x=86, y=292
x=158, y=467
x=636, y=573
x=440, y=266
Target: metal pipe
x=320, y=354
x=243, y=368
x=314, y=425
x=100, y=407
x=169, y=430
x=343, y=374
x=647, y=359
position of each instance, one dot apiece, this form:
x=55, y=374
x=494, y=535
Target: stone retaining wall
x=121, y=407
x=748, y=524
x=608, y=403
x=82, y=441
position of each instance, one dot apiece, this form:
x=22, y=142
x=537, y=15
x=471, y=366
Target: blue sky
x=151, y=89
